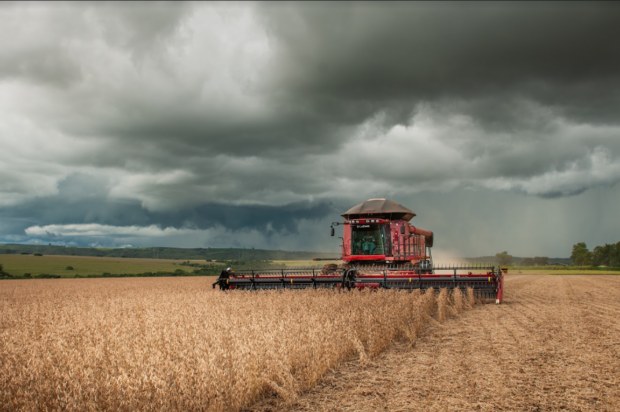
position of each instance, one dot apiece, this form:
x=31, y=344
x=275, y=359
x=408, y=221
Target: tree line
x=608, y=255
x=503, y=258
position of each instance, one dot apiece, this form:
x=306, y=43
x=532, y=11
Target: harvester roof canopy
x=382, y=208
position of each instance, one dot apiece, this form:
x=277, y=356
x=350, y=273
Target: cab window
x=367, y=240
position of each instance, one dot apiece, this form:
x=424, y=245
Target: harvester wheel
x=348, y=279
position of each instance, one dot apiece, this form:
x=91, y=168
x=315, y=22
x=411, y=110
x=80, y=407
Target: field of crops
x=554, y=344
x=175, y=343
x=85, y=265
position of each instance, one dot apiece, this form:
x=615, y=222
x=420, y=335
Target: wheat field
x=153, y=344
x=552, y=345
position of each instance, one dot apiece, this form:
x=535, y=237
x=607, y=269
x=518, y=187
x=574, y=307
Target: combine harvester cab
x=380, y=249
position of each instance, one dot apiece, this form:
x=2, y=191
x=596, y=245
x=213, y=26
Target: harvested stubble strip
x=116, y=345
x=458, y=301
x=471, y=299
x=442, y=305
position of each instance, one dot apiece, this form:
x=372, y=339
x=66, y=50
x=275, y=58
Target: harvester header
x=380, y=249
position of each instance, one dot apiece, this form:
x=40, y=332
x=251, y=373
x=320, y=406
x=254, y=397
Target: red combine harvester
x=380, y=249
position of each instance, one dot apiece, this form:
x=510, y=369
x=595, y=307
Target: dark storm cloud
x=335, y=66
x=513, y=69
x=83, y=199
x=258, y=116
x=197, y=134
x=277, y=219
x=561, y=55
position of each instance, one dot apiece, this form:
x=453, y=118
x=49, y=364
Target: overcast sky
x=258, y=124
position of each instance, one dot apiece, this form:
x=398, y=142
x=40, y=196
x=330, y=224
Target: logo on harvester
x=362, y=226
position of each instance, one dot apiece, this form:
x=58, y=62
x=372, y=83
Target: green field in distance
x=17, y=265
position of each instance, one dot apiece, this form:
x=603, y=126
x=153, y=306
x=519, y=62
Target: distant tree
x=541, y=260
x=1, y=268
x=528, y=262
x=69, y=268
x=581, y=256
x=608, y=255
x=614, y=259
x=503, y=258
x=601, y=255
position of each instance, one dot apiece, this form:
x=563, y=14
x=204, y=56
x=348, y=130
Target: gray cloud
x=84, y=199
x=263, y=117
x=421, y=51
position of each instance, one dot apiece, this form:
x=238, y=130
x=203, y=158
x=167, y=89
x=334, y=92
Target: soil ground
x=553, y=345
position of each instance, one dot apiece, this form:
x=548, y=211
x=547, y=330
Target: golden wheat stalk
x=153, y=344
